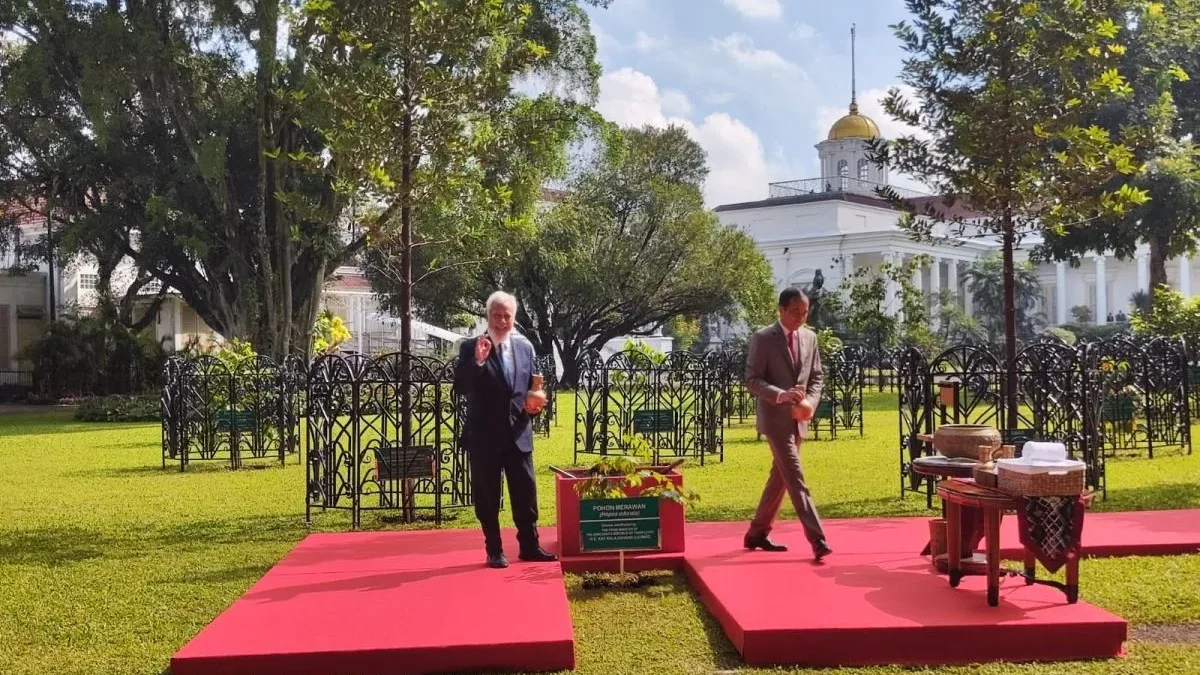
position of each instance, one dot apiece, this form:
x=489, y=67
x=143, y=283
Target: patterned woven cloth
x=1051, y=527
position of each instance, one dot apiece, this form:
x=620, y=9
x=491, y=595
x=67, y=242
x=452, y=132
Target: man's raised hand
x=483, y=348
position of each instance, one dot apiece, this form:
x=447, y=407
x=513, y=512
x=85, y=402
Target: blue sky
x=756, y=82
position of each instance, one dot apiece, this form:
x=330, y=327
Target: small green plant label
x=619, y=524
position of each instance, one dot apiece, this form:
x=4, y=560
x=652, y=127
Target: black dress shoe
x=764, y=543
x=538, y=555
x=820, y=551
x=497, y=561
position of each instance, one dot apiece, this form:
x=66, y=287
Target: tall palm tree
x=984, y=280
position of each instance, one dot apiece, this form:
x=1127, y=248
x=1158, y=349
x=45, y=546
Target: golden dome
x=854, y=125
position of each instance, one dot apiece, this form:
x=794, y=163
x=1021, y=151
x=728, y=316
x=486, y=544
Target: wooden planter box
x=670, y=516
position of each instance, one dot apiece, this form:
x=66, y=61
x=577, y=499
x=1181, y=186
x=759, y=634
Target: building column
x=1185, y=276
x=12, y=334
x=1143, y=271
x=952, y=280
x=892, y=305
x=935, y=291
x=1060, y=293
x=358, y=319
x=1101, y=290
x=177, y=323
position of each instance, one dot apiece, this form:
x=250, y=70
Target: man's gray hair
x=501, y=298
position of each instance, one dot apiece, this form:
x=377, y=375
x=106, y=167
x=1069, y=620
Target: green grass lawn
x=108, y=563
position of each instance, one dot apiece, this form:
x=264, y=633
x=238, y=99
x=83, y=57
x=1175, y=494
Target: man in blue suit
x=494, y=372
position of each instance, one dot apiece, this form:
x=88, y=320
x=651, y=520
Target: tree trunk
x=276, y=320
x=1010, y=328
x=570, y=362
x=1158, y=267
x=406, y=249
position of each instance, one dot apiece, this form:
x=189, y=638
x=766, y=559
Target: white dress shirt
x=506, y=355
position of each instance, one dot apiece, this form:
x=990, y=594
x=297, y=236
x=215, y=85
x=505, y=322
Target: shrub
x=1172, y=315
x=828, y=344
x=120, y=408
x=329, y=333
x=93, y=355
x=1062, y=334
x=1094, y=333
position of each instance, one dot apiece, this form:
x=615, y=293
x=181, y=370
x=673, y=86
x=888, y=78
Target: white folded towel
x=1039, y=451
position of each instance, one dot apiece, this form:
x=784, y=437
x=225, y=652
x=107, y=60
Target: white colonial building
x=32, y=294
x=31, y=298
x=837, y=224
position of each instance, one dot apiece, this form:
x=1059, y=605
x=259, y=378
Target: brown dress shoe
x=764, y=543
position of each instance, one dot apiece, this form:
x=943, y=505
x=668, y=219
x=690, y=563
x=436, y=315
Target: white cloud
x=756, y=9
x=719, y=97
x=631, y=98
x=646, y=43
x=606, y=43
x=740, y=49
x=737, y=166
x=676, y=103
x=802, y=31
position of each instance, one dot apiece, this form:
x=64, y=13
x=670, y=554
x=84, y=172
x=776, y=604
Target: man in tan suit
x=783, y=371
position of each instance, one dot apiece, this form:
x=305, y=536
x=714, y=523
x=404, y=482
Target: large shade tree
x=171, y=133
x=626, y=248
x=197, y=137
x=1159, y=55
x=1004, y=91
x=423, y=107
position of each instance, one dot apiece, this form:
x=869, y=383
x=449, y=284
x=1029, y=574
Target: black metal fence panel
x=215, y=411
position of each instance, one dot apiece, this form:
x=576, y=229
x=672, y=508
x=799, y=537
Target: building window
x=862, y=169
x=843, y=169
x=89, y=282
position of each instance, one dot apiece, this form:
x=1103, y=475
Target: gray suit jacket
x=769, y=372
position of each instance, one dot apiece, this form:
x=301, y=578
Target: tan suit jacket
x=770, y=372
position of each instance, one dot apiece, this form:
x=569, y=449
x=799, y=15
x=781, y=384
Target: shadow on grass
x=61, y=546
x=51, y=546
x=172, y=468
x=58, y=422
x=148, y=471
x=247, y=572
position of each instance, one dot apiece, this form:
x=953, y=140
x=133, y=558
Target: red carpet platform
x=1128, y=533
x=395, y=603
x=876, y=602
x=389, y=603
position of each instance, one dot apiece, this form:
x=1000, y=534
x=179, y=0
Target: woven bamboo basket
x=1043, y=484
x=937, y=538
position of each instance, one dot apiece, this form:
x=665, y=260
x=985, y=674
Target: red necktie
x=792, y=346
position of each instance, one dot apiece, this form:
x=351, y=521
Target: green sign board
x=651, y=421
x=619, y=524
